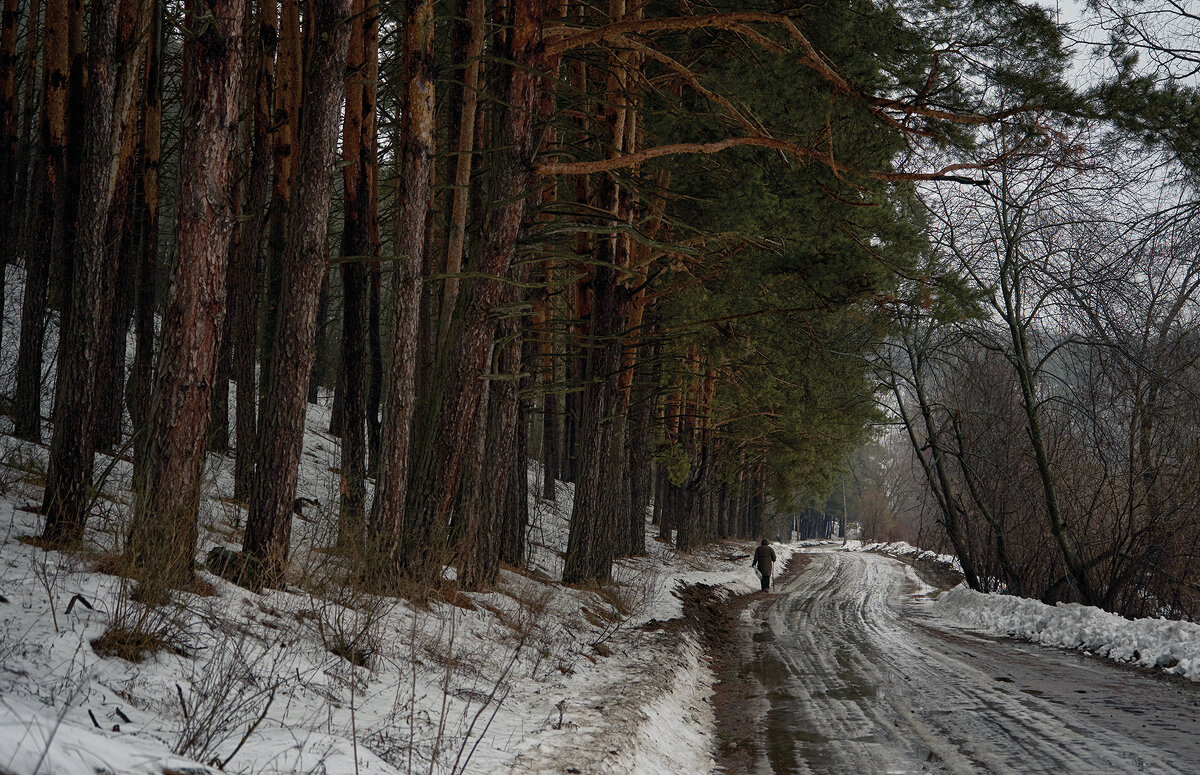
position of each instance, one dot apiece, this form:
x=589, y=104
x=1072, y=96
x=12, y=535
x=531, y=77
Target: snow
x=531, y=677
x=36, y=740
x=907, y=551
x=1172, y=646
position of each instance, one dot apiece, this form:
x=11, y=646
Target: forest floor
x=531, y=677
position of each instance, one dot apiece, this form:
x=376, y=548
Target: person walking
x=764, y=558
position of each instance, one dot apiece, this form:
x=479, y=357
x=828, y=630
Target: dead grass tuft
x=133, y=644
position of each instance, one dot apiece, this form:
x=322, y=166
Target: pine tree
x=164, y=532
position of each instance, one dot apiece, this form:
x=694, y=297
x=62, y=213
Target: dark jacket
x=764, y=556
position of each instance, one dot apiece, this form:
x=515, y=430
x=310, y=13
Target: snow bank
x=39, y=741
x=907, y=550
x=1158, y=643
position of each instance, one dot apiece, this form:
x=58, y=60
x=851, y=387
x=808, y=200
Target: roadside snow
x=1171, y=646
x=906, y=550
x=531, y=677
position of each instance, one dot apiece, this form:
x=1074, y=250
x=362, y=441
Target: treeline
x=1045, y=384
x=648, y=244
x=1053, y=427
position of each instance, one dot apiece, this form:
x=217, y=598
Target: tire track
x=847, y=669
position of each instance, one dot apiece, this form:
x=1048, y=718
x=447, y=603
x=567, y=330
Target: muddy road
x=847, y=668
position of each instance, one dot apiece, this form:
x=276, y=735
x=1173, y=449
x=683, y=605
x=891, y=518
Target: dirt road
x=847, y=668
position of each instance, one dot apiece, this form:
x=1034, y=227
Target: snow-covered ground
x=907, y=551
x=1171, y=646
x=531, y=677
x=1158, y=643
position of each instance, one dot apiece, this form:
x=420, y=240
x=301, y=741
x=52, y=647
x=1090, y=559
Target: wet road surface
x=858, y=674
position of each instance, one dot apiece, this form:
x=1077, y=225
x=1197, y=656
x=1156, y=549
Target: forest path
x=847, y=668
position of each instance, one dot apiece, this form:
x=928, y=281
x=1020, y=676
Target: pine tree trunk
x=551, y=444
x=375, y=346
x=358, y=138
x=218, y=420
x=438, y=457
x=304, y=263
x=9, y=226
x=120, y=235
x=26, y=146
x=595, y=528
x=245, y=273
x=464, y=148
x=285, y=127
x=482, y=494
x=46, y=233
x=63, y=240
x=514, y=517
x=416, y=164
x=643, y=401
x=320, y=346
x=138, y=389
x=484, y=536
x=72, y=445
x=600, y=527
x=164, y=533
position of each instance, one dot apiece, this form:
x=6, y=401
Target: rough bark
x=514, y=518
x=66, y=208
x=8, y=133
x=459, y=383
x=594, y=532
x=416, y=164
x=138, y=389
x=643, y=406
x=281, y=430
x=164, y=533
x=26, y=145
x=46, y=231
x=480, y=553
x=285, y=127
x=463, y=148
x=120, y=237
x=72, y=443
x=245, y=273
x=475, y=516
x=359, y=242
x=375, y=346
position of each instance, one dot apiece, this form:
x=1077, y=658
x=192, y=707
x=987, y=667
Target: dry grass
x=134, y=643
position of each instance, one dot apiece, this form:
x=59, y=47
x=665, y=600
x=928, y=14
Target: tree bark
x=459, y=385
x=463, y=148
x=72, y=444
x=594, y=531
x=359, y=244
x=644, y=406
x=247, y=269
x=285, y=127
x=164, y=535
x=9, y=138
x=476, y=514
x=134, y=32
x=138, y=389
x=304, y=262
x=25, y=148
x=416, y=163
x=46, y=234
x=514, y=518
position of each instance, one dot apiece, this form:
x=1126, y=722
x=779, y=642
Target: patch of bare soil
x=738, y=697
